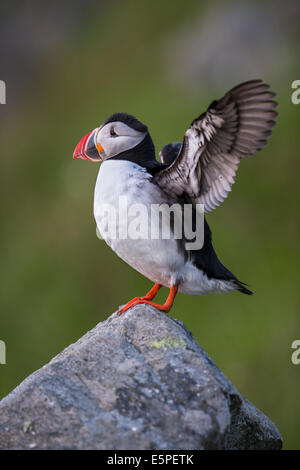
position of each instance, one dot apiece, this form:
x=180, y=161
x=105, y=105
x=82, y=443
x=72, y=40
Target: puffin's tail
x=241, y=287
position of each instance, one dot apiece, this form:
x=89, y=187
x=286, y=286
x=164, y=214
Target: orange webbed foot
x=147, y=299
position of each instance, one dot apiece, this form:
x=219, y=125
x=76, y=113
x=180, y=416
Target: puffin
x=197, y=172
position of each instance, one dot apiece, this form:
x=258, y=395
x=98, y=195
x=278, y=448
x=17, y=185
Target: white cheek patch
x=127, y=138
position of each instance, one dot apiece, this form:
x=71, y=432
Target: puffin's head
x=118, y=133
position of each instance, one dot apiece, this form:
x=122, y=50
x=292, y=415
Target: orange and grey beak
x=87, y=150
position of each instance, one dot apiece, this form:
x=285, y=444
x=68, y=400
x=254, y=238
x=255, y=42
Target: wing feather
x=234, y=127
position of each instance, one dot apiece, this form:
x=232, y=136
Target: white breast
x=159, y=260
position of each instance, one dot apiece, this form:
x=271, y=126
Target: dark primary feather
x=207, y=260
x=234, y=127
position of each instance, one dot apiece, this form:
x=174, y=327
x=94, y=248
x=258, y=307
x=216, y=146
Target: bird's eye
x=113, y=133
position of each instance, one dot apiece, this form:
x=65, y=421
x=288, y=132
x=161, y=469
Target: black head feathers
x=131, y=121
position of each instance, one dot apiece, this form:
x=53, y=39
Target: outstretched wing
x=236, y=126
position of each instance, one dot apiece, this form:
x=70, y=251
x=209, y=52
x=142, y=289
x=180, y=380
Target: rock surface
x=140, y=381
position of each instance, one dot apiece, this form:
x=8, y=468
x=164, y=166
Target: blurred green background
x=69, y=65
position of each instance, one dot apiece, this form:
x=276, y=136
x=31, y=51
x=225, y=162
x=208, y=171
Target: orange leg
x=152, y=292
x=147, y=300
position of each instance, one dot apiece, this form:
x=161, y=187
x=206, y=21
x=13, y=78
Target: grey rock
x=139, y=381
